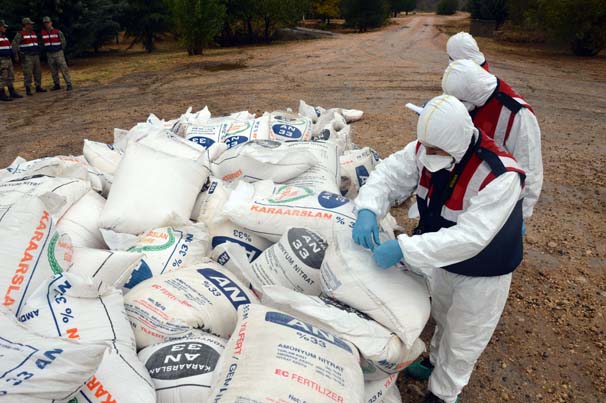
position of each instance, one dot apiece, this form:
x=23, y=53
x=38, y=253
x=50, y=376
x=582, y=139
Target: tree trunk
x=148, y=43
x=251, y=34
x=267, y=27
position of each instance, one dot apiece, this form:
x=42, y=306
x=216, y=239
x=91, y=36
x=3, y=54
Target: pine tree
x=144, y=20
x=198, y=22
x=364, y=14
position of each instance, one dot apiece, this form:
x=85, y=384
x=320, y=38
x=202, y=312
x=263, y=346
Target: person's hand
x=365, y=229
x=388, y=254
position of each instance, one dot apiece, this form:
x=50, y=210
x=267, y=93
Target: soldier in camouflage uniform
x=26, y=43
x=54, y=43
x=7, y=75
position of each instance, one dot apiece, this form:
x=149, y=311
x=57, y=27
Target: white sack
x=35, y=366
x=356, y=166
x=209, y=204
x=309, y=111
x=80, y=222
x=209, y=133
x=182, y=370
x=152, y=189
x=382, y=391
x=325, y=175
x=31, y=250
x=274, y=357
x=383, y=353
x=106, y=268
x=293, y=262
x=258, y=160
x=269, y=210
x=172, y=305
x=397, y=299
x=286, y=126
x=227, y=232
x=101, y=156
x=243, y=130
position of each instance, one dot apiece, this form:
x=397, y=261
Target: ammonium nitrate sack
x=210, y=202
x=122, y=270
x=170, y=248
x=182, y=370
x=356, y=166
x=208, y=133
x=286, y=126
x=121, y=377
x=293, y=262
x=61, y=166
x=382, y=391
x=227, y=232
x=80, y=222
x=35, y=366
x=69, y=305
x=62, y=193
x=31, y=250
x=397, y=299
x=383, y=353
x=243, y=130
x=258, y=160
x=152, y=189
x=275, y=357
x=269, y=209
x=309, y=111
x=324, y=176
x=103, y=157
x=170, y=306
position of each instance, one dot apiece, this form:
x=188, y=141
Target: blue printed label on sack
x=362, y=174
x=141, y=273
x=331, y=200
x=230, y=290
x=203, y=141
x=296, y=324
x=233, y=141
x=251, y=251
x=288, y=131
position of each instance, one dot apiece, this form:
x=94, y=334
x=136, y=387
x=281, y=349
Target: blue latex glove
x=388, y=254
x=523, y=228
x=365, y=229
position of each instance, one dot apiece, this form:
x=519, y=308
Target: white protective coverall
x=466, y=309
x=473, y=86
x=464, y=46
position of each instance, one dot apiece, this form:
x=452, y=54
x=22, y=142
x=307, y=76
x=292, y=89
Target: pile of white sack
x=202, y=259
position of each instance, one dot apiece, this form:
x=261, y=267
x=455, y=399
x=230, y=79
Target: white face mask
x=434, y=163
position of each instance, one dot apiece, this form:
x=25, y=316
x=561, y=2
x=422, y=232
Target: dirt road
x=551, y=343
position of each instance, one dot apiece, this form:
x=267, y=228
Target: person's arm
x=525, y=144
x=476, y=227
x=62, y=38
x=396, y=177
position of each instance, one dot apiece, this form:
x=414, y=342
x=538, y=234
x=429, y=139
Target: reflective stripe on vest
x=5, y=47
x=51, y=40
x=485, y=162
x=29, y=43
x=496, y=117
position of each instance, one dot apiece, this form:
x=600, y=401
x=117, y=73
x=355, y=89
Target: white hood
x=446, y=124
x=469, y=82
x=464, y=46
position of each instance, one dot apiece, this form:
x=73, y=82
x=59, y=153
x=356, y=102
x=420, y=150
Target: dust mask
x=434, y=163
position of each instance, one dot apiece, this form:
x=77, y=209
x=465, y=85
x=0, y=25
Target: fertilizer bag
x=80, y=222
x=275, y=357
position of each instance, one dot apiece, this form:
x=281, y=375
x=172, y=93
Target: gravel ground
x=550, y=344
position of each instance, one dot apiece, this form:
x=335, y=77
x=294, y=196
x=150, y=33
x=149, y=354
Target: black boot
x=69, y=87
x=28, y=91
x=40, y=89
x=56, y=87
x=431, y=398
x=14, y=94
x=4, y=97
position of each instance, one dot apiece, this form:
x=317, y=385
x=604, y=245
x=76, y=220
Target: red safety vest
x=5, y=47
x=29, y=43
x=485, y=162
x=496, y=117
x=51, y=40
x=485, y=66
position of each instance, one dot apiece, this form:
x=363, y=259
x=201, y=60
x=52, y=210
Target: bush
x=489, y=10
x=364, y=14
x=447, y=7
x=198, y=21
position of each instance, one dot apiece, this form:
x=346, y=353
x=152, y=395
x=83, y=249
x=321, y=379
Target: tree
x=582, y=23
x=273, y=13
x=489, y=10
x=144, y=20
x=398, y=6
x=447, y=7
x=326, y=9
x=197, y=22
x=364, y=14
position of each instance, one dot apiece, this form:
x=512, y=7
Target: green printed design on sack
x=154, y=248
x=52, y=259
x=287, y=194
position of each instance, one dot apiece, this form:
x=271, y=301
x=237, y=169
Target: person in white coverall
x=464, y=46
x=503, y=115
x=469, y=196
